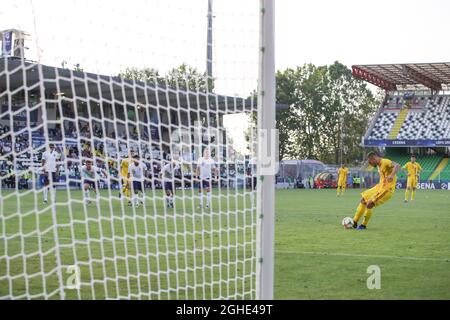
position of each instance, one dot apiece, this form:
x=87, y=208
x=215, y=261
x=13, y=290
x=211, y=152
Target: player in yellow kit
x=380, y=193
x=342, y=180
x=413, y=169
x=125, y=177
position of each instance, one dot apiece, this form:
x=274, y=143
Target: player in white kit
x=251, y=172
x=206, y=166
x=90, y=177
x=137, y=175
x=167, y=175
x=50, y=171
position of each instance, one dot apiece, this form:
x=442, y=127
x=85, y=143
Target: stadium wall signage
x=407, y=143
x=427, y=185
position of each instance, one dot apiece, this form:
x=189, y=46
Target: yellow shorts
x=412, y=182
x=342, y=183
x=377, y=195
x=125, y=181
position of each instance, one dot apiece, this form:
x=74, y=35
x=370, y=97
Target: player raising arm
x=381, y=192
x=413, y=170
x=205, y=168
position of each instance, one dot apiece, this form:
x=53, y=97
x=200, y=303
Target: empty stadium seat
x=431, y=121
x=383, y=125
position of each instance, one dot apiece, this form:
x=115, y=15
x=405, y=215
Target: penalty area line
x=338, y=254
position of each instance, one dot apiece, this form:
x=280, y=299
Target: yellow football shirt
x=385, y=169
x=124, y=167
x=412, y=168
x=343, y=173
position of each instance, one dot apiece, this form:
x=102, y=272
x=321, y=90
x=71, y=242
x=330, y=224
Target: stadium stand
x=24, y=166
x=445, y=173
x=433, y=122
x=383, y=125
x=439, y=168
x=414, y=117
x=398, y=123
x=429, y=122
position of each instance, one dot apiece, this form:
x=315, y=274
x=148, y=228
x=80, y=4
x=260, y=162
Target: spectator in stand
x=86, y=152
x=98, y=132
x=11, y=180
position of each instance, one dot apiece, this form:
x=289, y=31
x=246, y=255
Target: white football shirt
x=137, y=172
x=252, y=165
x=89, y=174
x=206, y=166
x=50, y=158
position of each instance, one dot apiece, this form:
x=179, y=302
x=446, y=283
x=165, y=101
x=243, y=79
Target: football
x=347, y=223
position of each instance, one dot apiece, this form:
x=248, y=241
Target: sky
x=361, y=31
x=107, y=36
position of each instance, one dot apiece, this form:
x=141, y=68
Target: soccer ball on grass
x=347, y=223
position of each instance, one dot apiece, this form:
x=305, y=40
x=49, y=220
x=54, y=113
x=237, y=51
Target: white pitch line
x=338, y=254
x=378, y=215
x=335, y=254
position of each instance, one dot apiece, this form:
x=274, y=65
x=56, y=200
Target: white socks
x=87, y=194
x=201, y=199
x=139, y=198
x=52, y=194
x=46, y=193
x=169, y=200
x=208, y=199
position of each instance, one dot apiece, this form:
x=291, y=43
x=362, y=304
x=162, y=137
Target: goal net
x=128, y=150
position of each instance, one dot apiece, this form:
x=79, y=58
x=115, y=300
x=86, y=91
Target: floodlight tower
x=341, y=139
x=13, y=43
x=209, y=41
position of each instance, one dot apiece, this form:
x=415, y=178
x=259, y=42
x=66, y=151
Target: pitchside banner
x=7, y=43
x=426, y=185
x=409, y=143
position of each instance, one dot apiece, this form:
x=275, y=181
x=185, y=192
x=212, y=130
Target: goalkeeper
x=125, y=178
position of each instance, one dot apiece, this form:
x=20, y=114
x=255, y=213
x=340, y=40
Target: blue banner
x=443, y=185
x=7, y=43
x=407, y=143
x=38, y=141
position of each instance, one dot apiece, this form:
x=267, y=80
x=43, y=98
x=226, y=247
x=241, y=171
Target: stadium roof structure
x=77, y=84
x=407, y=76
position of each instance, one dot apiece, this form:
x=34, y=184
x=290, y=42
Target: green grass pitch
x=315, y=258
x=124, y=252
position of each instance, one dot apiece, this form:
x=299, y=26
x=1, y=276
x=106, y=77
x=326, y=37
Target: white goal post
x=132, y=165
x=268, y=160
